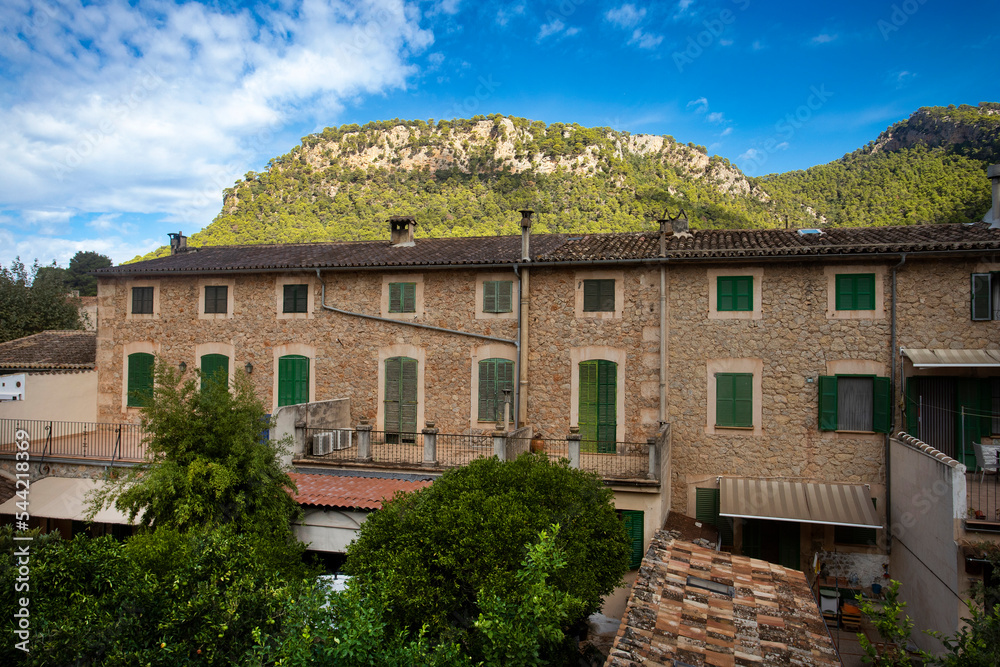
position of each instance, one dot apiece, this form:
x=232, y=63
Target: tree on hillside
x=34, y=301
x=431, y=552
x=207, y=464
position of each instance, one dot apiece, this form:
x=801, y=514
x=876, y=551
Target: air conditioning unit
x=331, y=441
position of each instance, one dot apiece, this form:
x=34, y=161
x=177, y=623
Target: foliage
x=34, y=301
x=892, y=630
x=80, y=266
x=976, y=644
x=207, y=464
x=431, y=552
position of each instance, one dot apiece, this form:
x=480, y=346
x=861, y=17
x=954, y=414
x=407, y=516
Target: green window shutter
x=293, y=380
x=588, y=402
x=599, y=296
x=634, y=520
x=142, y=300
x=140, y=379
x=828, y=403
x=707, y=505
x=855, y=291
x=881, y=404
x=735, y=293
x=395, y=297
x=912, y=406
x=402, y=297
x=296, y=299
x=981, y=296
x=401, y=395
x=490, y=296
x=216, y=299
x=409, y=297
x=734, y=399
x=497, y=296
x=214, y=367
x=598, y=405
x=495, y=375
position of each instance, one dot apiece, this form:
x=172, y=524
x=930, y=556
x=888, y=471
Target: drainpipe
x=523, y=302
x=892, y=415
x=663, y=322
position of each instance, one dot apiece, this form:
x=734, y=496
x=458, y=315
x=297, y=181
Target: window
x=402, y=297
x=497, y=296
x=865, y=537
x=217, y=299
x=495, y=375
x=142, y=300
x=214, y=368
x=734, y=399
x=633, y=520
x=854, y=403
x=293, y=380
x=986, y=296
x=400, y=399
x=140, y=379
x=735, y=293
x=598, y=419
x=296, y=299
x=598, y=296
x=855, y=291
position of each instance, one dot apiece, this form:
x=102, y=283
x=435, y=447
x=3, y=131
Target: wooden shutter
x=743, y=287
x=395, y=297
x=912, y=407
x=214, y=367
x=864, y=291
x=634, y=520
x=981, y=296
x=588, y=403
x=743, y=399
x=295, y=299
x=401, y=395
x=142, y=300
x=505, y=296
x=293, y=380
x=706, y=505
x=392, y=383
x=724, y=403
x=140, y=379
x=409, y=297
x=845, y=294
x=828, y=403
x=487, y=390
x=490, y=296
x=607, y=405
x=881, y=405
x=591, y=295
x=725, y=297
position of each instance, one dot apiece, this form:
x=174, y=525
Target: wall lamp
x=248, y=368
x=183, y=366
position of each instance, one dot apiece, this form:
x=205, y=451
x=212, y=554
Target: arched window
x=214, y=367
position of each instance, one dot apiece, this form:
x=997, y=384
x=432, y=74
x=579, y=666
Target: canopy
x=832, y=504
x=63, y=498
x=924, y=358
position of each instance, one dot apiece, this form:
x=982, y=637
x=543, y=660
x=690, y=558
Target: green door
x=293, y=380
x=400, y=398
x=214, y=367
x=633, y=526
x=140, y=379
x=598, y=418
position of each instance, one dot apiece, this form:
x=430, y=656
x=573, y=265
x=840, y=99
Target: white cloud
x=823, y=38
x=504, y=14
x=436, y=59
x=700, y=105
x=626, y=16
x=725, y=42
x=551, y=28
x=726, y=132
x=47, y=249
x=757, y=45
x=902, y=78
x=782, y=146
x=716, y=117
x=752, y=154
x=645, y=40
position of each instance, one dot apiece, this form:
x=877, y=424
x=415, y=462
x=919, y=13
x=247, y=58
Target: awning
x=831, y=504
x=924, y=358
x=63, y=498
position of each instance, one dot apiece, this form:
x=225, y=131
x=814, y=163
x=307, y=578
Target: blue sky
x=121, y=121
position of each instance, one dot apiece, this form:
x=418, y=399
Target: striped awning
x=832, y=504
x=926, y=358
x=63, y=498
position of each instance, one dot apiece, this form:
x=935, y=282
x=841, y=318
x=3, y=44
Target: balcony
x=96, y=442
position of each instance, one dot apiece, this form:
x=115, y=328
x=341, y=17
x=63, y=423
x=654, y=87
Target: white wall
x=328, y=529
x=57, y=396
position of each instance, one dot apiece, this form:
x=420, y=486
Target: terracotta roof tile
x=51, y=350
x=349, y=492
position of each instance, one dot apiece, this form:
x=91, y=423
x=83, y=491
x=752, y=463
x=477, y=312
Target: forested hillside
x=469, y=177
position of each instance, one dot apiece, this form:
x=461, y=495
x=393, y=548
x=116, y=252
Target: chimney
x=680, y=223
x=525, y=234
x=401, y=229
x=663, y=237
x=178, y=243
x=993, y=173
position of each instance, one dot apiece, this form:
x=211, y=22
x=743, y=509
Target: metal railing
x=629, y=460
x=76, y=440
x=459, y=450
x=983, y=489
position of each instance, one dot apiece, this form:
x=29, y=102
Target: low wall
x=73, y=395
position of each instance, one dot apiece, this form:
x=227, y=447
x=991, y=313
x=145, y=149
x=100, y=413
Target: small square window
x=599, y=296
x=216, y=299
x=142, y=300
x=402, y=297
x=855, y=291
x=735, y=293
x=734, y=399
x=296, y=299
x=986, y=296
x=497, y=296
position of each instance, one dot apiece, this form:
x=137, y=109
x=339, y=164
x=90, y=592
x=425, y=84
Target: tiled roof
x=349, y=492
x=51, y=350
x=771, y=619
x=545, y=248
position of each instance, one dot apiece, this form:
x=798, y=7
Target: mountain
x=469, y=177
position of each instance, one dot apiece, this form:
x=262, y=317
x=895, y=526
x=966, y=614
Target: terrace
x=49, y=440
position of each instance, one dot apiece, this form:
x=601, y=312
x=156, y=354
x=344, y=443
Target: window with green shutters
x=296, y=299
x=214, y=368
x=854, y=403
x=495, y=375
x=707, y=504
x=498, y=296
x=734, y=399
x=400, y=399
x=140, y=379
x=986, y=296
x=293, y=380
x=734, y=293
x=855, y=291
x=633, y=520
x=216, y=299
x=402, y=297
x=598, y=405
x=599, y=296
x=142, y=300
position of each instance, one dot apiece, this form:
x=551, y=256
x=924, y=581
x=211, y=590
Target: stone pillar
x=364, y=433
x=653, y=458
x=430, y=445
x=500, y=443
x=573, y=444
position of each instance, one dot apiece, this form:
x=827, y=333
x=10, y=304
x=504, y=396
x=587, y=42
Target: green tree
x=431, y=552
x=80, y=266
x=207, y=463
x=34, y=301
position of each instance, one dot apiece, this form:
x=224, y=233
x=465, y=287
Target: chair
x=982, y=453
